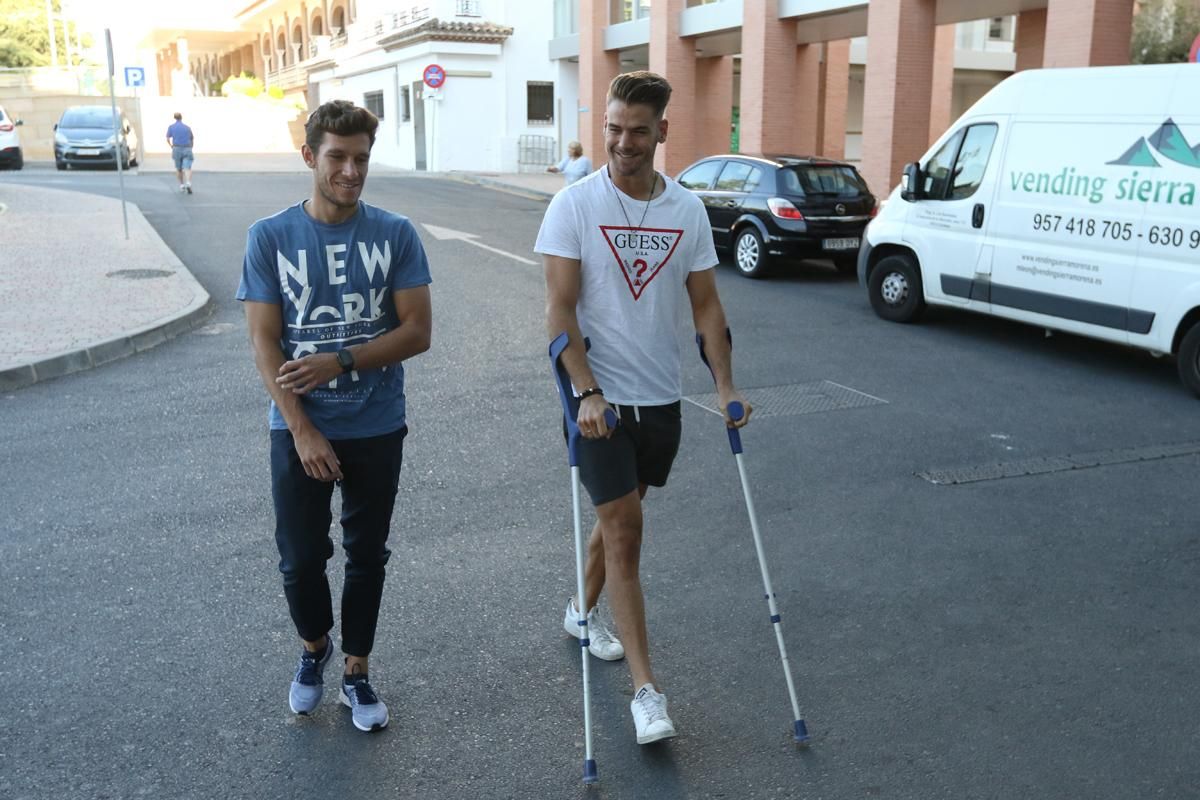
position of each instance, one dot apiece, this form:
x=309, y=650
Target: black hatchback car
x=765, y=207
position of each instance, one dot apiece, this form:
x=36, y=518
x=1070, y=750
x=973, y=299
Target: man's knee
x=621, y=529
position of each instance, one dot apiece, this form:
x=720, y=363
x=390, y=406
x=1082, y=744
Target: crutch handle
x=570, y=403
x=734, y=409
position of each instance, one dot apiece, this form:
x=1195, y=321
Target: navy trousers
x=370, y=477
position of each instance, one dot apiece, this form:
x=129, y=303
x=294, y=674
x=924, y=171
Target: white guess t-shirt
x=632, y=294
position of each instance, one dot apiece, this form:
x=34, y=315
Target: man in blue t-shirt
x=181, y=139
x=336, y=295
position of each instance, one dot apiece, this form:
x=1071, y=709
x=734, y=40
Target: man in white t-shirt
x=624, y=248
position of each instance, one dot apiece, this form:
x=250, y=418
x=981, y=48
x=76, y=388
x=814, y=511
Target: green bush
x=275, y=92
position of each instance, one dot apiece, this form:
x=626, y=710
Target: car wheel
x=749, y=255
x=895, y=289
x=1187, y=360
x=58, y=165
x=133, y=162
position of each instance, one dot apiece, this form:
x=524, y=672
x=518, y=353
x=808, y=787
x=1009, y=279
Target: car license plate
x=88, y=151
x=840, y=244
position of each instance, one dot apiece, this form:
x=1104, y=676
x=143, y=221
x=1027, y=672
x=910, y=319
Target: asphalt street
x=1031, y=636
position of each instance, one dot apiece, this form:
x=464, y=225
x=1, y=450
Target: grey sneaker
x=368, y=711
x=601, y=641
x=309, y=683
x=650, y=715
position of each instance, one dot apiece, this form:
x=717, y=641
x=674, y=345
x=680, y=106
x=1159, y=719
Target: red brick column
x=768, y=71
x=597, y=68
x=1088, y=33
x=714, y=104
x=675, y=59
x=900, y=35
x=807, y=111
x=1030, y=45
x=941, y=95
x=835, y=87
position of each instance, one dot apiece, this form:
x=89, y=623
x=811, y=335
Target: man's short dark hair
x=641, y=87
x=341, y=118
x=178, y=116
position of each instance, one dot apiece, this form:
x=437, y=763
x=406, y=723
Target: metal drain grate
x=1042, y=466
x=794, y=399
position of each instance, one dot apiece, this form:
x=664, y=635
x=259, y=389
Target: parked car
x=763, y=208
x=85, y=135
x=10, y=141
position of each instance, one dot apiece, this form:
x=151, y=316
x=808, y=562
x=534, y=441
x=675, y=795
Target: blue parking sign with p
x=135, y=76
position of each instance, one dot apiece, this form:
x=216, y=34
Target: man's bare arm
x=563, y=277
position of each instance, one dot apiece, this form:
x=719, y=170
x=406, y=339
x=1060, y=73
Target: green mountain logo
x=1139, y=155
x=1167, y=142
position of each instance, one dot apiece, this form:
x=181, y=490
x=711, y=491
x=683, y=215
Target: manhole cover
x=794, y=399
x=140, y=274
x=1041, y=466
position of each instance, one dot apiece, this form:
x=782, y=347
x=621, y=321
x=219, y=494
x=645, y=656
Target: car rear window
x=1, y=115
x=87, y=118
x=832, y=180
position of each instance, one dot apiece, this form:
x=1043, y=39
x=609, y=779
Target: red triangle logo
x=641, y=253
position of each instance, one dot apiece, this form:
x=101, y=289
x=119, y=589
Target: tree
x=24, y=37
x=1163, y=31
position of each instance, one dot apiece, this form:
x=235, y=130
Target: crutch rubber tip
x=800, y=732
x=589, y=771
x=736, y=410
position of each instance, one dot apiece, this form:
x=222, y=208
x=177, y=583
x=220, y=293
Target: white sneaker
x=182, y=189
x=650, y=715
x=601, y=642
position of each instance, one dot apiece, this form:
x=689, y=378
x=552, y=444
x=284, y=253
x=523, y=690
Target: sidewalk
x=78, y=295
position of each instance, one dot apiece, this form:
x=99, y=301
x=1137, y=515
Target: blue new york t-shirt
x=334, y=284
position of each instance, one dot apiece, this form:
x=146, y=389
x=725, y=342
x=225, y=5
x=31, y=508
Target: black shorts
x=641, y=450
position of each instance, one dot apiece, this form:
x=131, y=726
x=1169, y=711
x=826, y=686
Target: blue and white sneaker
x=309, y=684
x=368, y=711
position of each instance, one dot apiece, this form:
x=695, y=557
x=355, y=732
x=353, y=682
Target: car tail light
x=875, y=210
x=5, y=127
x=783, y=208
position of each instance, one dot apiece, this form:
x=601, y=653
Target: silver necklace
x=621, y=202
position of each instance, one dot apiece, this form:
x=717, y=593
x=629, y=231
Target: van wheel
x=749, y=254
x=1188, y=359
x=895, y=289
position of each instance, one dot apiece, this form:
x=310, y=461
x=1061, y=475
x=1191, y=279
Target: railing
x=468, y=8
x=534, y=152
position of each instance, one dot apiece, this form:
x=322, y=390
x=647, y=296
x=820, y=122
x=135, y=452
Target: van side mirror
x=910, y=182
x=56, y=126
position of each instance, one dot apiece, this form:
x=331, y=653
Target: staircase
x=235, y=124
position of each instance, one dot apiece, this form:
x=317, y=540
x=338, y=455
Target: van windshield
x=87, y=118
x=832, y=180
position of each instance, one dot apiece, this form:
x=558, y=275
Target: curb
x=491, y=183
x=127, y=344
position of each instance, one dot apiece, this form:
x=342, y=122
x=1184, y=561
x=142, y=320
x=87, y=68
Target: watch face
x=346, y=359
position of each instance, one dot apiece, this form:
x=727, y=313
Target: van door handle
x=731, y=203
x=977, y=216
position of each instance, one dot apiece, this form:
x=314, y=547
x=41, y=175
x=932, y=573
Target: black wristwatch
x=346, y=360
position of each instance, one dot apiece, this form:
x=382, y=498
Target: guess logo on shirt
x=641, y=253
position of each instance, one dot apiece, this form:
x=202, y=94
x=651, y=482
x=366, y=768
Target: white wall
x=526, y=58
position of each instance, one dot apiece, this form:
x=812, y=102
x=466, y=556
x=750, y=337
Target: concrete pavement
x=78, y=294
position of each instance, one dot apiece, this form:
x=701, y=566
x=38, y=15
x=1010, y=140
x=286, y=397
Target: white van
x=1065, y=198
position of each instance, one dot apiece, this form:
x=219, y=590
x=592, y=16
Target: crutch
x=736, y=412
x=570, y=414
